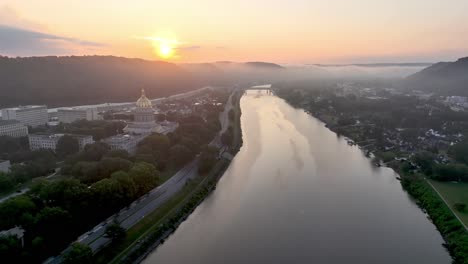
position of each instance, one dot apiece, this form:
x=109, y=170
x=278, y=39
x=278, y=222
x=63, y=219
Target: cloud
x=22, y=37
x=24, y=42
x=189, y=48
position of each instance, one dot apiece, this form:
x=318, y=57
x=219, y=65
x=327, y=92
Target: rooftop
x=25, y=107
x=45, y=135
x=121, y=138
x=8, y=122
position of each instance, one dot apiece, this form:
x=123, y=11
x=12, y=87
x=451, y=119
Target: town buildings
x=50, y=141
x=16, y=231
x=13, y=128
x=69, y=115
x=29, y=115
x=128, y=143
x=5, y=165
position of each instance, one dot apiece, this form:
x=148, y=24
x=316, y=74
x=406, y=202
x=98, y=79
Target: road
x=224, y=121
x=145, y=205
x=19, y=192
x=140, y=208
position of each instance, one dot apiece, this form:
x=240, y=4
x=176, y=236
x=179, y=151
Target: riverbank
x=156, y=227
x=453, y=232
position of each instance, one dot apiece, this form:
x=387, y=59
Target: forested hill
x=77, y=80
x=444, y=78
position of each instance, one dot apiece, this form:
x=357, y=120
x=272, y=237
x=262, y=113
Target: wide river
x=297, y=193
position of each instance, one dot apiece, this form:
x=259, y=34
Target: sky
x=281, y=31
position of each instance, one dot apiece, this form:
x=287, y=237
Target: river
x=297, y=193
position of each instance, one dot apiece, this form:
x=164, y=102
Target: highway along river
x=297, y=193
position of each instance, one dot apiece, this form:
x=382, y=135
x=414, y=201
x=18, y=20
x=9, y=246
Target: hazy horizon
x=301, y=32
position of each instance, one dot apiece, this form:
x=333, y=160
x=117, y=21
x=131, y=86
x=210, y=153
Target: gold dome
x=143, y=101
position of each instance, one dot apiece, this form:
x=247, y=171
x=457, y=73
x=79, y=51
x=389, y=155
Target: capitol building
x=144, y=121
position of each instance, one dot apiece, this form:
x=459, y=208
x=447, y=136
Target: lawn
x=454, y=193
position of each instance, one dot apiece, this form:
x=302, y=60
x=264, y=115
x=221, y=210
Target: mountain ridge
x=443, y=78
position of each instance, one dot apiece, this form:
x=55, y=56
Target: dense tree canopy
x=79, y=254
x=67, y=145
x=460, y=152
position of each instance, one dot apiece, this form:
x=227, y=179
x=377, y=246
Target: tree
x=69, y=194
x=86, y=171
x=108, y=193
x=118, y=153
x=79, y=254
x=180, y=154
x=38, y=247
x=155, y=145
x=207, y=159
x=95, y=151
x=67, y=145
x=54, y=224
x=450, y=172
x=460, y=152
x=6, y=182
x=12, y=209
x=425, y=160
x=127, y=185
x=145, y=177
x=107, y=166
x=10, y=249
x=115, y=232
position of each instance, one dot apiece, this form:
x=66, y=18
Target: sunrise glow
x=164, y=47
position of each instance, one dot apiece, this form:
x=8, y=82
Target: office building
x=12, y=128
x=29, y=115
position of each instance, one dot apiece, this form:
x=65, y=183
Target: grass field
x=454, y=193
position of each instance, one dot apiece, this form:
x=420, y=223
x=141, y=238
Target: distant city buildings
x=5, y=165
x=457, y=103
x=13, y=128
x=50, y=141
x=69, y=115
x=29, y=115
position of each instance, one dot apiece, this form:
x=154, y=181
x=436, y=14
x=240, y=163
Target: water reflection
x=296, y=193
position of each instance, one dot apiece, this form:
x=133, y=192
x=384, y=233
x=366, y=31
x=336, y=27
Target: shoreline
x=155, y=238
x=425, y=196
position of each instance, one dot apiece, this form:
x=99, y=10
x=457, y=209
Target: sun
x=164, y=47
x=165, y=50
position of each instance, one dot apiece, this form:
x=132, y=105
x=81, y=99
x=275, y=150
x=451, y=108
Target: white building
x=83, y=140
x=5, y=165
x=29, y=115
x=143, y=117
x=12, y=128
x=69, y=115
x=124, y=142
x=16, y=231
x=50, y=141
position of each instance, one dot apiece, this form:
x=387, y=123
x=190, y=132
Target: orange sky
x=293, y=31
